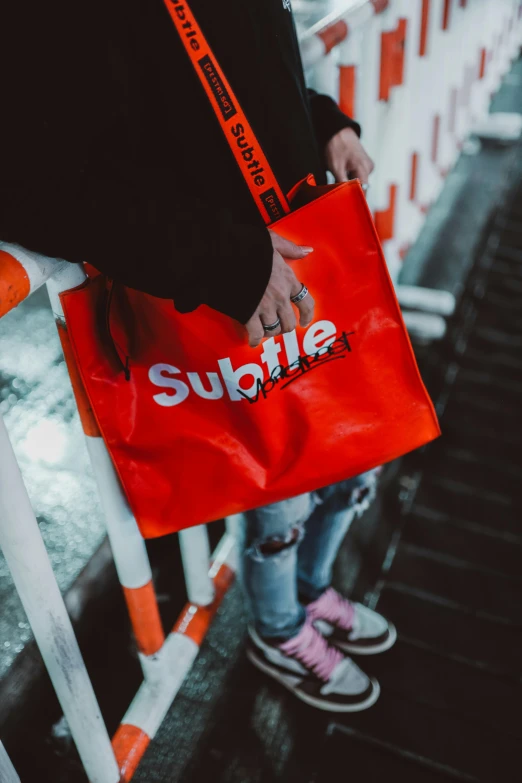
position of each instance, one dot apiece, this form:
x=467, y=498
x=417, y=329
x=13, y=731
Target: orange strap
x=247, y=151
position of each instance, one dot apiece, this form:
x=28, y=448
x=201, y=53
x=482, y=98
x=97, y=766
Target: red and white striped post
x=21, y=274
x=128, y=547
x=387, y=69
x=165, y=662
x=145, y=715
x=24, y=550
x=418, y=77
x=127, y=544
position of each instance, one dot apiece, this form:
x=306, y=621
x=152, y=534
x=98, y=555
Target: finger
x=289, y=249
x=268, y=318
x=287, y=316
x=306, y=310
x=360, y=171
x=255, y=331
x=340, y=172
x=366, y=167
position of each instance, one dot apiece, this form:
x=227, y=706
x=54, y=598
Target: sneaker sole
x=353, y=649
x=313, y=702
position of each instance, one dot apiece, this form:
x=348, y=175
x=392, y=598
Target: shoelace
x=333, y=608
x=313, y=651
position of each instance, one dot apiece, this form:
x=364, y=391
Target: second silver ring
x=300, y=296
x=272, y=327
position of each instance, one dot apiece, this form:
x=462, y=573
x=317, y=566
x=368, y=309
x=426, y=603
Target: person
x=110, y=154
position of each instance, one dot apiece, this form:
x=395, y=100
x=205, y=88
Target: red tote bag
x=203, y=426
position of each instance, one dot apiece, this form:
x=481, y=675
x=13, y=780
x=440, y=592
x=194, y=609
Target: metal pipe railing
x=24, y=550
x=342, y=9
x=22, y=273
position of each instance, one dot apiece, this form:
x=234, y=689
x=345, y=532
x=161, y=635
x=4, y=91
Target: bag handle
x=256, y=170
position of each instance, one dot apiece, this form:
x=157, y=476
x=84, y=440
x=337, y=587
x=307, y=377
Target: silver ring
x=300, y=296
x=365, y=186
x=272, y=327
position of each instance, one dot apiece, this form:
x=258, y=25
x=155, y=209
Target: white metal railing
x=417, y=75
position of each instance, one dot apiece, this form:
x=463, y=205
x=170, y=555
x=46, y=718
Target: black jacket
x=110, y=152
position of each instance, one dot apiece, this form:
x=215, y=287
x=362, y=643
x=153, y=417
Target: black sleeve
x=190, y=253
x=60, y=196
x=328, y=119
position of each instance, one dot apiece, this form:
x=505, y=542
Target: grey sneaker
x=352, y=627
x=315, y=671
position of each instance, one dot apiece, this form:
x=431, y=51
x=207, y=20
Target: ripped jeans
x=279, y=580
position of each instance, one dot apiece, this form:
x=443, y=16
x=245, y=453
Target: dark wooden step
x=476, y=471
x=449, y=685
x=505, y=417
x=483, y=441
x=487, y=754
x=365, y=759
x=480, y=545
x=504, y=365
x=452, y=631
x=488, y=593
x=486, y=506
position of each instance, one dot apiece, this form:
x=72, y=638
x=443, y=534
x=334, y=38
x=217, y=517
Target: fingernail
x=307, y=249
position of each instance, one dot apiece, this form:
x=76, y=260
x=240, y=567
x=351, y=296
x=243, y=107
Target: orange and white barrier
x=418, y=76
x=24, y=550
x=8, y=773
x=165, y=660
x=153, y=699
x=328, y=34
x=127, y=544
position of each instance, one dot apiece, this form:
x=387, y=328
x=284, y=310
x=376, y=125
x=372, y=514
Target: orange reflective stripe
x=145, y=618
x=446, y=14
x=399, y=52
x=347, y=86
x=333, y=35
x=393, y=49
x=385, y=218
x=129, y=745
x=423, y=43
x=195, y=621
x=245, y=147
x=89, y=423
x=387, y=41
x=482, y=65
x=14, y=283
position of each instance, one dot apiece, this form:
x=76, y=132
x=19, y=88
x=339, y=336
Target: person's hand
x=345, y=154
x=283, y=284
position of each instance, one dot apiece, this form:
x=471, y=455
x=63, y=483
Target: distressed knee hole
x=275, y=545
x=363, y=497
